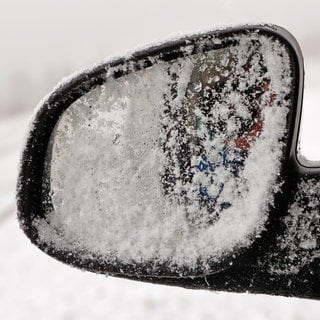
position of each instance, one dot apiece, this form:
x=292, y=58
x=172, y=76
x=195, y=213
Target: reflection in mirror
x=172, y=167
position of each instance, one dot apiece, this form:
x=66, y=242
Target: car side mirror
x=178, y=165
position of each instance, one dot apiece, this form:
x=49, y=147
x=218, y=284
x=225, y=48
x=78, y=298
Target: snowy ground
x=33, y=285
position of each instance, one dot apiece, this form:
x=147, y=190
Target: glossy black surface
x=250, y=271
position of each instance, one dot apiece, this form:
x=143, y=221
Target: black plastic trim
x=245, y=274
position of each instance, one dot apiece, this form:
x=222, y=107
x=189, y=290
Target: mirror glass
x=173, y=167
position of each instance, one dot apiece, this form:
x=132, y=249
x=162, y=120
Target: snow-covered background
x=44, y=40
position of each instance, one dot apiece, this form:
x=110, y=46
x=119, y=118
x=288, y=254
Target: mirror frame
x=244, y=274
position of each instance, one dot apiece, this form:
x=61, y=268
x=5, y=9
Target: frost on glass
x=173, y=165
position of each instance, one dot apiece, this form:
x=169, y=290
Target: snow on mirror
x=161, y=168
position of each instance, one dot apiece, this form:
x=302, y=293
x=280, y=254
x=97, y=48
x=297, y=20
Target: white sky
x=35, y=33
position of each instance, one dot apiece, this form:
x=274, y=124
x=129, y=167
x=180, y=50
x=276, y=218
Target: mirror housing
x=282, y=257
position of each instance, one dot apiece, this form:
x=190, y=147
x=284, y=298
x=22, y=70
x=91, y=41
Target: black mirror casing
x=269, y=265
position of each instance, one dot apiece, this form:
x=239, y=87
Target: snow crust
x=299, y=245
x=175, y=164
